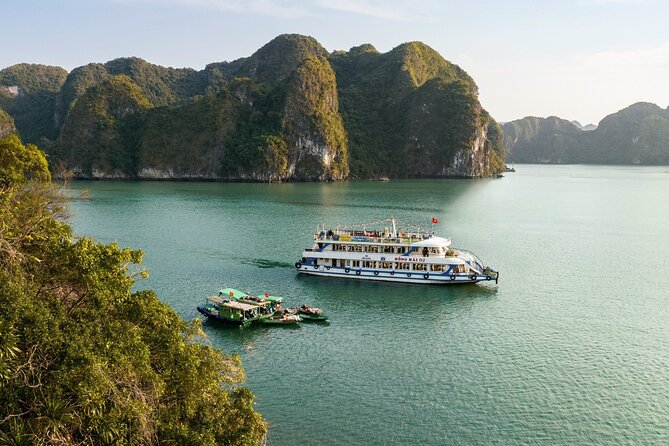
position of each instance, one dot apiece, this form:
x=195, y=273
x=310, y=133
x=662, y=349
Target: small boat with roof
x=234, y=307
x=389, y=250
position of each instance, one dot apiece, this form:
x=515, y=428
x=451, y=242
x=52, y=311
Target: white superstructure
x=390, y=254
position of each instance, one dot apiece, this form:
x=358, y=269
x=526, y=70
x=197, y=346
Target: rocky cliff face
x=638, y=134
x=311, y=123
x=289, y=112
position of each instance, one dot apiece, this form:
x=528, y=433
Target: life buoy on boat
x=392, y=273
x=452, y=277
x=315, y=266
x=473, y=277
x=347, y=270
x=298, y=265
x=376, y=273
x=358, y=272
x=327, y=268
x=426, y=276
x=408, y=274
x=488, y=277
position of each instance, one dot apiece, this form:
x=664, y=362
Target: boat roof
x=433, y=242
x=235, y=293
x=239, y=305
x=224, y=302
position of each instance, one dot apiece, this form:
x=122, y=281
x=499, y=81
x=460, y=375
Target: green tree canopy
x=84, y=359
x=19, y=163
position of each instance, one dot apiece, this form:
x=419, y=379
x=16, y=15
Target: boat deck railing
x=406, y=239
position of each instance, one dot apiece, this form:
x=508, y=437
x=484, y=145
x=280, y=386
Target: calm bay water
x=572, y=346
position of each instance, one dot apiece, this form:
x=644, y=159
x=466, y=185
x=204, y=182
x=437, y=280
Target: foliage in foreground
x=83, y=359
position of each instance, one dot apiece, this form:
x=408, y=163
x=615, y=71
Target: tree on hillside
x=83, y=358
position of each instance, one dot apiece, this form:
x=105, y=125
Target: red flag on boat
x=231, y=294
x=435, y=220
x=266, y=295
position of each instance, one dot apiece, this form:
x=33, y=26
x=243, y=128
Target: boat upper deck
x=224, y=302
x=377, y=233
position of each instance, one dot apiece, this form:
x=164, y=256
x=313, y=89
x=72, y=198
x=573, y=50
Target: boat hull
x=312, y=318
x=394, y=276
x=222, y=319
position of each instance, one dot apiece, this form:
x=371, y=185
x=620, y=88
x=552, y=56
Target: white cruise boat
x=391, y=253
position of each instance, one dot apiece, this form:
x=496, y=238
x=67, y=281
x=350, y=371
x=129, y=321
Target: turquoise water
x=572, y=346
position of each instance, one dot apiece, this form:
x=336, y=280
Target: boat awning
x=433, y=242
x=235, y=293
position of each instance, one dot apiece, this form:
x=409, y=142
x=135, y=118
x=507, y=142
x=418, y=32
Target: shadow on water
x=389, y=298
x=247, y=334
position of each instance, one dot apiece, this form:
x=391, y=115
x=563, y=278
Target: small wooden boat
x=282, y=319
x=311, y=313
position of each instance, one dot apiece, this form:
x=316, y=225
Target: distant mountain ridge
x=290, y=111
x=638, y=134
x=586, y=127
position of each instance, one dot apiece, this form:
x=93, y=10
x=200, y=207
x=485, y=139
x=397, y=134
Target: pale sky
x=577, y=59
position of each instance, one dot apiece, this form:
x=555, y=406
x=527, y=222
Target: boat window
x=419, y=267
x=356, y=263
x=368, y=264
x=439, y=268
x=385, y=265
x=388, y=249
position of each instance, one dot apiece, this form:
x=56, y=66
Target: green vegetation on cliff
x=28, y=93
x=638, y=134
x=277, y=60
x=409, y=112
x=290, y=111
x=102, y=129
x=312, y=124
x=261, y=129
x=541, y=140
x=160, y=85
x=84, y=359
x=7, y=126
